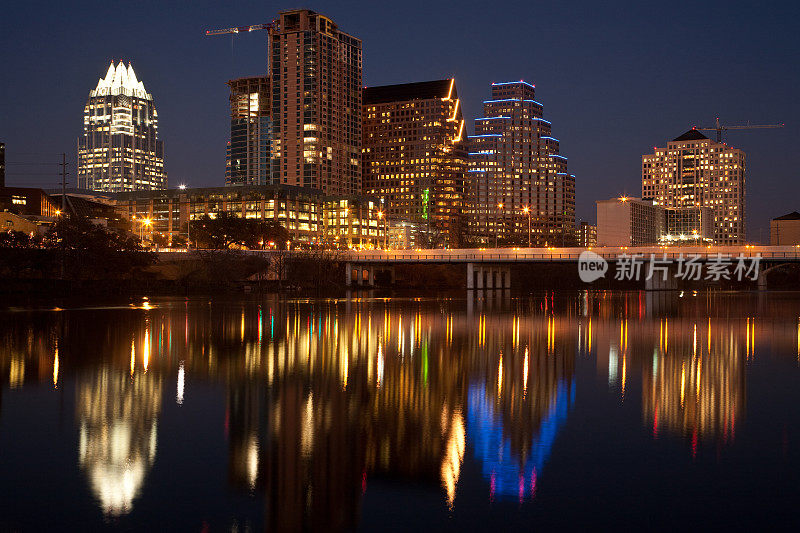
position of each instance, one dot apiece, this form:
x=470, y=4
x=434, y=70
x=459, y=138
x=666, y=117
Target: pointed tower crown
x=120, y=80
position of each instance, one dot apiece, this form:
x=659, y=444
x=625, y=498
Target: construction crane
x=719, y=128
x=240, y=29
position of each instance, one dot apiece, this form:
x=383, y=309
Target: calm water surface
x=554, y=411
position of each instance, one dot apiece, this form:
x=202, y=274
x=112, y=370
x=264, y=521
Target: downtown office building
x=414, y=156
x=519, y=189
x=120, y=149
x=695, y=172
x=315, y=76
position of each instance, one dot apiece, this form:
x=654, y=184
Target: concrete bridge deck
x=491, y=267
x=517, y=255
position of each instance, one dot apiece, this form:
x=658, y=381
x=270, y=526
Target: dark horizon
x=614, y=82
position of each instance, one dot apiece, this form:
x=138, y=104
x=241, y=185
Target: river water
x=550, y=411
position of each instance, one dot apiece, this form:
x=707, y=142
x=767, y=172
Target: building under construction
x=249, y=148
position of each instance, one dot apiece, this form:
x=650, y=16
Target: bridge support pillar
x=359, y=275
x=658, y=283
x=482, y=276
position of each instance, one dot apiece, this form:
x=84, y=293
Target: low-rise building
x=785, y=230
x=405, y=235
x=310, y=216
x=96, y=207
x=27, y=201
x=688, y=225
x=13, y=222
x=628, y=221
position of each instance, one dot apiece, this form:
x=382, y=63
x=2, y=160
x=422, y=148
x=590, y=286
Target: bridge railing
x=571, y=254
x=788, y=253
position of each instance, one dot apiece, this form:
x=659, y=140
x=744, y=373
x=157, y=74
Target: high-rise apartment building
x=248, y=154
x=694, y=171
x=414, y=156
x=518, y=182
x=120, y=149
x=315, y=73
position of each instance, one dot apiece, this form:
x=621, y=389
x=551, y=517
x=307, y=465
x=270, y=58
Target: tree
x=19, y=239
x=267, y=231
x=160, y=240
x=91, y=251
x=228, y=230
x=221, y=232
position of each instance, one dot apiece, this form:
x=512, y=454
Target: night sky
x=615, y=79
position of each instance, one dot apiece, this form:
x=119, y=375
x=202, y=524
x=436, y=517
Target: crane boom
x=240, y=29
x=719, y=128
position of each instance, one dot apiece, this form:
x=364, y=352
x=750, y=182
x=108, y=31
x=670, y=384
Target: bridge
x=490, y=268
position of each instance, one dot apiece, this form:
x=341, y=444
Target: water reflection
x=322, y=397
x=117, y=417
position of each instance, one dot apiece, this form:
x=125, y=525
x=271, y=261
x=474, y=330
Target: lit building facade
x=27, y=201
x=315, y=72
x=688, y=225
x=694, y=171
x=586, y=235
x=248, y=153
x=785, y=230
x=404, y=235
x=629, y=221
x=120, y=149
x=414, y=156
x=309, y=216
x=516, y=175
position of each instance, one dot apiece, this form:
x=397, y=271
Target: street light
x=380, y=217
x=527, y=211
x=145, y=222
x=497, y=226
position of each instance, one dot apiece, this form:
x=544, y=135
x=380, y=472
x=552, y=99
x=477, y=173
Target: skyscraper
x=120, y=149
x=519, y=187
x=414, y=157
x=250, y=144
x=315, y=72
x=2, y=164
x=694, y=171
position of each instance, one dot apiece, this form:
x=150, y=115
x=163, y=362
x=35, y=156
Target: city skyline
x=631, y=103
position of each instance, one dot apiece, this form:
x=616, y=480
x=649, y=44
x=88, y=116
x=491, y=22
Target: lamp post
x=527, y=211
x=145, y=222
x=380, y=217
x=497, y=226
